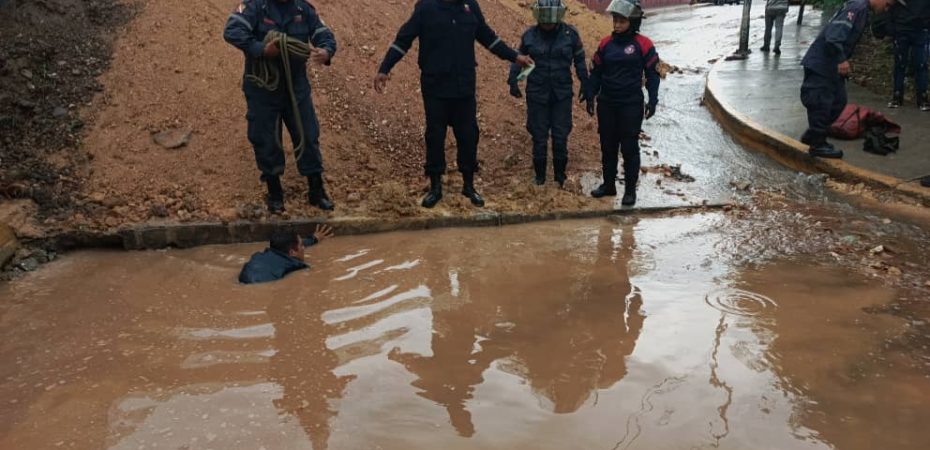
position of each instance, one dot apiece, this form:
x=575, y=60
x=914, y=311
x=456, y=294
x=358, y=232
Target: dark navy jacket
x=253, y=19
x=618, y=67
x=554, y=53
x=272, y=265
x=447, y=32
x=838, y=39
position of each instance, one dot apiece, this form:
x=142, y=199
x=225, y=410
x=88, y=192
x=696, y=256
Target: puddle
x=579, y=334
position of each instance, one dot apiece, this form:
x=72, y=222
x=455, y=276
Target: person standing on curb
x=775, y=12
x=826, y=68
x=555, y=46
x=276, y=93
x=910, y=29
x=447, y=30
x=619, y=64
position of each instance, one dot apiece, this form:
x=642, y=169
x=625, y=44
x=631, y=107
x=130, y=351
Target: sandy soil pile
x=171, y=70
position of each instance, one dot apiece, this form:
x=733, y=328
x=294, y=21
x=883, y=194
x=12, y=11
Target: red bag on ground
x=855, y=119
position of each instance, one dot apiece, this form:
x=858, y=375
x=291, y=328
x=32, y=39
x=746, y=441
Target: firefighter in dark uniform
x=619, y=64
x=554, y=46
x=826, y=67
x=447, y=30
x=269, y=99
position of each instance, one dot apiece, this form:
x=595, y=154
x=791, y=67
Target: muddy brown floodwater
x=579, y=334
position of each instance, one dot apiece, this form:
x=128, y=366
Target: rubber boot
x=824, y=149
x=539, y=166
x=435, y=192
x=317, y=194
x=629, y=195
x=558, y=169
x=468, y=189
x=607, y=188
x=275, y=197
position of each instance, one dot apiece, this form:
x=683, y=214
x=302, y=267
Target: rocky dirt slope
x=171, y=70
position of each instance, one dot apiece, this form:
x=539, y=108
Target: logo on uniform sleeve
x=630, y=49
x=851, y=16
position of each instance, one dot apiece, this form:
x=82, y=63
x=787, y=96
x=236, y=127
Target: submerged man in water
x=285, y=254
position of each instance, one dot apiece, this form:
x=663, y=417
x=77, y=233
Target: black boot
x=317, y=195
x=275, y=197
x=468, y=189
x=925, y=182
x=629, y=195
x=824, y=149
x=608, y=188
x=435, y=192
x=558, y=169
x=539, y=166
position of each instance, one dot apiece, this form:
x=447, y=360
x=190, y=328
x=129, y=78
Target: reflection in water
x=568, y=334
x=546, y=349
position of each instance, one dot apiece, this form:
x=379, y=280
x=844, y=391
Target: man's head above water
x=289, y=243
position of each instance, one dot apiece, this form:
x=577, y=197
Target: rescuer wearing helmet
x=617, y=72
x=555, y=47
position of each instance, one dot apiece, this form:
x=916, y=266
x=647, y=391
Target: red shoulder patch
x=644, y=43
x=604, y=42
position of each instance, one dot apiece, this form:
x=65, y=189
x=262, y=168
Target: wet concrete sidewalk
x=762, y=94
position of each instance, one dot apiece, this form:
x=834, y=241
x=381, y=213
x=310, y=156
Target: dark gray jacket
x=554, y=53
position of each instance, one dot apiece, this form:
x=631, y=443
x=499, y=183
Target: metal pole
x=801, y=13
x=743, y=51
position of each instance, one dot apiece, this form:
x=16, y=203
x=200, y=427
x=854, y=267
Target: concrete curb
x=148, y=237
x=793, y=153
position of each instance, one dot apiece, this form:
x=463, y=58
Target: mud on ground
x=51, y=53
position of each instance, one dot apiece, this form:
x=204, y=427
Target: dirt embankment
x=51, y=54
x=171, y=69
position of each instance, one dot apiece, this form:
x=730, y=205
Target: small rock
x=59, y=112
x=354, y=197
x=894, y=271
x=28, y=264
x=111, y=222
x=159, y=210
x=26, y=73
x=173, y=138
x=877, y=250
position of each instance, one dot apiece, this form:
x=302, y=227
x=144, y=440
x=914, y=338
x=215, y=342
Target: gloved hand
x=590, y=106
x=649, y=110
x=515, y=91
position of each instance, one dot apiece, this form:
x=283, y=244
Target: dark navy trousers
x=265, y=110
x=619, y=127
x=824, y=97
x=911, y=47
x=549, y=118
x=461, y=115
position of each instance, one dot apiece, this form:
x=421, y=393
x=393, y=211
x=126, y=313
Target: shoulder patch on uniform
x=644, y=43
x=604, y=42
x=851, y=16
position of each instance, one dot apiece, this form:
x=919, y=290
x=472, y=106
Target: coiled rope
x=264, y=74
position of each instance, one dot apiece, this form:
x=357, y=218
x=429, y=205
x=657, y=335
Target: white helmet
x=548, y=11
x=626, y=8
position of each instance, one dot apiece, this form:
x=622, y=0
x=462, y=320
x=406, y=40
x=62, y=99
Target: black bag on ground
x=879, y=143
